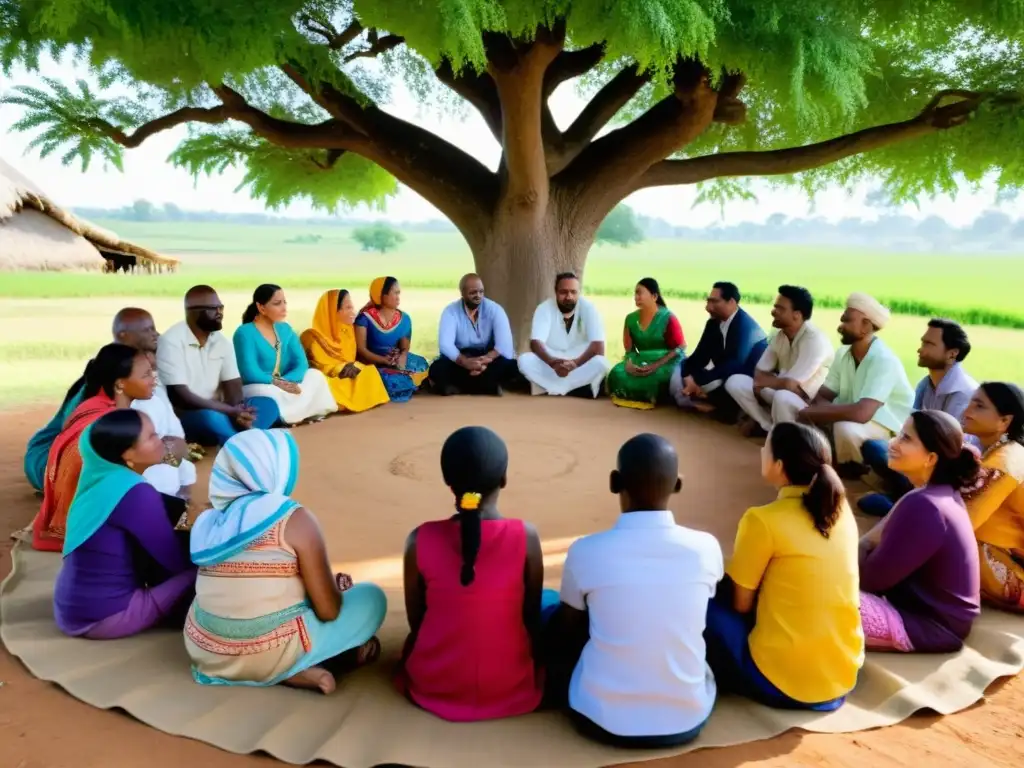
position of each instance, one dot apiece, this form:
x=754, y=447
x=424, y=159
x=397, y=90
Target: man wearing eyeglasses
x=197, y=365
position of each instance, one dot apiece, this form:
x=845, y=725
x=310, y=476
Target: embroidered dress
x=996, y=507
x=251, y=622
x=662, y=335
x=381, y=338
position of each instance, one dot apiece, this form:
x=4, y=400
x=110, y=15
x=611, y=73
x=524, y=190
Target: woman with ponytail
x=794, y=572
x=113, y=379
x=995, y=417
x=919, y=571
x=273, y=363
x=473, y=594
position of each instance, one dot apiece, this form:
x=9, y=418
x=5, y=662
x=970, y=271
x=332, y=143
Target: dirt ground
x=371, y=478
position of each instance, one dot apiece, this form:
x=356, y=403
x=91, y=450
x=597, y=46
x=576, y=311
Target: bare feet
x=313, y=679
x=703, y=407
x=750, y=428
x=368, y=652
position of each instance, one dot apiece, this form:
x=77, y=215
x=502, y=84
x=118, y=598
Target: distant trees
x=620, y=227
x=143, y=210
x=380, y=237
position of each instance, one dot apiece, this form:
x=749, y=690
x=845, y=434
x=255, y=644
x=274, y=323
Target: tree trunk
x=518, y=261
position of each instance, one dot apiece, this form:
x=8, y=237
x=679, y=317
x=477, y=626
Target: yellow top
x=996, y=506
x=807, y=639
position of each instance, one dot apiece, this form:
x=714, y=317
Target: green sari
x=648, y=347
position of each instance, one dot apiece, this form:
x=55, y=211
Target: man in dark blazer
x=732, y=343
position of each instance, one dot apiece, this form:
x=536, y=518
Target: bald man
x=640, y=591
x=134, y=327
x=475, y=338
x=197, y=365
x=867, y=395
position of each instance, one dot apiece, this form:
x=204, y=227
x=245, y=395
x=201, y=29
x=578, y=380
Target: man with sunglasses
x=197, y=365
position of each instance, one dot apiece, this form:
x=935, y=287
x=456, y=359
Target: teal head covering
x=101, y=486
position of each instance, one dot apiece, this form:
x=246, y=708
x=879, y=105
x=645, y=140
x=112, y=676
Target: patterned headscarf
x=252, y=479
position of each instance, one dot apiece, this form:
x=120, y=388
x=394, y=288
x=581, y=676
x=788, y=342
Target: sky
x=148, y=175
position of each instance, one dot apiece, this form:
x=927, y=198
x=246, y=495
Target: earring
x=130, y=463
x=119, y=390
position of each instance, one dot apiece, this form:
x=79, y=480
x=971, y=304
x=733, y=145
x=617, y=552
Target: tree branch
x=212, y=115
x=335, y=40
x=518, y=71
x=377, y=47
x=571, y=64
x=606, y=103
x=478, y=89
x=452, y=180
x=936, y=116
x=606, y=169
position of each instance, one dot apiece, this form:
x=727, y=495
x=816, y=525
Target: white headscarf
x=870, y=307
x=252, y=478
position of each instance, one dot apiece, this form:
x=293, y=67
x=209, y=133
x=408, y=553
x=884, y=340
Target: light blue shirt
x=490, y=331
x=953, y=394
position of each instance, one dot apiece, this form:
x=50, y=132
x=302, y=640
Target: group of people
x=649, y=623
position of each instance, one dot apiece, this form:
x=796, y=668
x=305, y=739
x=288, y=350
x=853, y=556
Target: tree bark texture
x=537, y=214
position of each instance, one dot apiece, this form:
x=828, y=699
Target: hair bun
x=968, y=466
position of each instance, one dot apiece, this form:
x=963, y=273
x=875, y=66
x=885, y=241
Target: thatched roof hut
x=37, y=234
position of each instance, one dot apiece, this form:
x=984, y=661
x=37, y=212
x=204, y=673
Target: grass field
x=52, y=323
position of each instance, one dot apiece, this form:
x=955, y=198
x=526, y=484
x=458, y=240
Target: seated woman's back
x=473, y=655
x=807, y=604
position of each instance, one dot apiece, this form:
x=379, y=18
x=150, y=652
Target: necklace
x=1003, y=440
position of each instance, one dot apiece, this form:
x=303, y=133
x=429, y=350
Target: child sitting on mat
x=473, y=595
x=633, y=604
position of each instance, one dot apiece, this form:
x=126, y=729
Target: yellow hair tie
x=470, y=501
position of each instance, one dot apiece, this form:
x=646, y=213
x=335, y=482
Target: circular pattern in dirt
x=539, y=460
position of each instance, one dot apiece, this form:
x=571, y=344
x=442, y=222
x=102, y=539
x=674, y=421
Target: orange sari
x=63, y=467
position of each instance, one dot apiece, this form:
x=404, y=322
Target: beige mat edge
x=298, y=727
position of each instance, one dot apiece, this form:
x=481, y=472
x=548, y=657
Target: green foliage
x=380, y=237
x=280, y=176
x=620, y=227
x=815, y=69
x=66, y=118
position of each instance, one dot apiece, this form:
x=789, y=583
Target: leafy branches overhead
x=811, y=92
x=327, y=179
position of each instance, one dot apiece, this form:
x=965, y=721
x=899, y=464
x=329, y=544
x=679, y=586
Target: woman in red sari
x=117, y=375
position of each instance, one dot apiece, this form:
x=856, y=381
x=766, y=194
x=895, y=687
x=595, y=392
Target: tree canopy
x=919, y=95
x=620, y=228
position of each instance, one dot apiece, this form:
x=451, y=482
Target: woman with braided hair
x=473, y=594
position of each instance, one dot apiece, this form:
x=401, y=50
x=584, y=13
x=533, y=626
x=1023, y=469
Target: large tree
x=810, y=92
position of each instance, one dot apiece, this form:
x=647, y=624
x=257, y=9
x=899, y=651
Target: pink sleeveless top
x=472, y=659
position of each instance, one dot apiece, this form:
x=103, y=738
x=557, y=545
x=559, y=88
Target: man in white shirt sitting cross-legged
x=797, y=361
x=567, y=344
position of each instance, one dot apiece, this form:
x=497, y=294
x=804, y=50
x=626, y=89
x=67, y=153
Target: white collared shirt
x=806, y=359
x=549, y=328
x=645, y=584
x=724, y=325
x=181, y=361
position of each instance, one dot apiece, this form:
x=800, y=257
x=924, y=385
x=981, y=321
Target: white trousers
x=314, y=400
x=847, y=436
x=169, y=480
x=544, y=380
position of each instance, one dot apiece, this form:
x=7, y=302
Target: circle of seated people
x=115, y=467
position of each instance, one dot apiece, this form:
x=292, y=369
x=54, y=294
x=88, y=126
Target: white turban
x=870, y=308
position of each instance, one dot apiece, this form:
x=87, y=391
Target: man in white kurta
x=567, y=344
x=135, y=327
